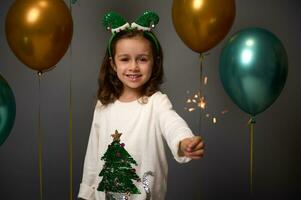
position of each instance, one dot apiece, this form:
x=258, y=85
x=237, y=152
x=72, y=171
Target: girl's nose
x=134, y=66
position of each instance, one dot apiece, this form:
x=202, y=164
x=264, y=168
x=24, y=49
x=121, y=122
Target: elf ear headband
x=115, y=23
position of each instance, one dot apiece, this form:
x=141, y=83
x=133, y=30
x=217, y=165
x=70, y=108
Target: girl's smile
x=134, y=77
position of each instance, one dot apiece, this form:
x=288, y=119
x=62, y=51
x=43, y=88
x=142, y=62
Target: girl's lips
x=133, y=77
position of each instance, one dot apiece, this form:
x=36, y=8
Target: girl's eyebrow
x=139, y=55
x=121, y=55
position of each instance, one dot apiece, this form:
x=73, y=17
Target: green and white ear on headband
x=115, y=23
x=146, y=22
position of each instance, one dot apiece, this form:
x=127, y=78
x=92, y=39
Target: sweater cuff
x=85, y=191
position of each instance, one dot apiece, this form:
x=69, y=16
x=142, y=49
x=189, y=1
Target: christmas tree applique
x=117, y=173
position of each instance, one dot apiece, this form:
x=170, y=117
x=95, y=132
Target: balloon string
x=70, y=119
x=40, y=139
x=251, y=125
x=70, y=134
x=201, y=95
x=251, y=157
x=202, y=57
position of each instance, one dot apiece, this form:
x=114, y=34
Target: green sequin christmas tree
x=117, y=173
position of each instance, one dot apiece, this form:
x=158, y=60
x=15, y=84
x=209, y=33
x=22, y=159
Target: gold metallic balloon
x=202, y=24
x=39, y=32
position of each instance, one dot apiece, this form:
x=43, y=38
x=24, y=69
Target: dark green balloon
x=7, y=110
x=253, y=69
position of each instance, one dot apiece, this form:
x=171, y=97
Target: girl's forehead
x=136, y=43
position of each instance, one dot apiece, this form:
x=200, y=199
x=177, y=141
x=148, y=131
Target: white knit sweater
x=144, y=128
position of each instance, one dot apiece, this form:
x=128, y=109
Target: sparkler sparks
x=197, y=100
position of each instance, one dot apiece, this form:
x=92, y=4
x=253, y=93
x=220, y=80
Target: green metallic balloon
x=253, y=69
x=7, y=110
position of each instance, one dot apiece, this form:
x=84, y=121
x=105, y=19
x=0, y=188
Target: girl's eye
x=143, y=59
x=124, y=59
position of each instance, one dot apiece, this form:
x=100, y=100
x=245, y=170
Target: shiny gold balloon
x=202, y=24
x=39, y=32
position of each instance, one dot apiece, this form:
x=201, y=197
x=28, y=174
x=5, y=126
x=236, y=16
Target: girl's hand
x=192, y=147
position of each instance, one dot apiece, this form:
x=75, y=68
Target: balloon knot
x=252, y=120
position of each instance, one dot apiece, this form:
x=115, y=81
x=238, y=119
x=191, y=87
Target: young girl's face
x=133, y=62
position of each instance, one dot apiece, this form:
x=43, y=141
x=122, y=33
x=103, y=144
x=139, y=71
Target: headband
x=115, y=23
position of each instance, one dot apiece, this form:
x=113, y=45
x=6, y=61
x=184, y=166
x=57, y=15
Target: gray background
x=224, y=171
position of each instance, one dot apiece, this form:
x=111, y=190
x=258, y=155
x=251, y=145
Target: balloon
x=7, y=110
x=253, y=69
x=39, y=32
x=202, y=24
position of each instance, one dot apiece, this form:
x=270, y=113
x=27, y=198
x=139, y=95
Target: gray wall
x=224, y=171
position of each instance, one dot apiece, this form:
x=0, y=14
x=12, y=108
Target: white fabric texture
x=144, y=128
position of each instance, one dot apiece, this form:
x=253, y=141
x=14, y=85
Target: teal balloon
x=7, y=110
x=253, y=69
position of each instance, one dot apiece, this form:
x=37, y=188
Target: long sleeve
x=173, y=127
x=90, y=173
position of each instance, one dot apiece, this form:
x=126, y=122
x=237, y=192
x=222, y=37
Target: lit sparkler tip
x=202, y=103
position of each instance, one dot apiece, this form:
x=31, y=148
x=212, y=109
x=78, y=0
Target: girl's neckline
x=129, y=99
x=127, y=102
x=139, y=100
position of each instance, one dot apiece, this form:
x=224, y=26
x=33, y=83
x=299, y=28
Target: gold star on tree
x=116, y=136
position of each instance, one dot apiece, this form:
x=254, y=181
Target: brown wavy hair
x=110, y=87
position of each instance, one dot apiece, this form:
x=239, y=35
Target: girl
x=130, y=102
